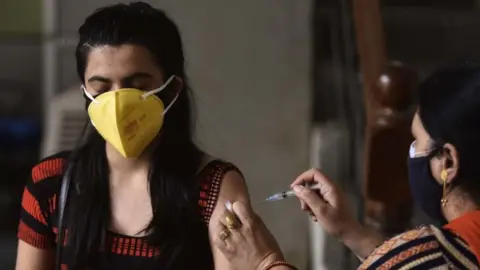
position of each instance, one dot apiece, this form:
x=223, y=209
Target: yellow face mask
x=129, y=119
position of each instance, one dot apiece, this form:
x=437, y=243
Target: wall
x=20, y=56
x=28, y=10
x=250, y=65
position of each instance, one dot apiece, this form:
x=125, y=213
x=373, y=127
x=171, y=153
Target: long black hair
x=176, y=227
x=449, y=107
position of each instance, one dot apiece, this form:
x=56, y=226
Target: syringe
x=285, y=194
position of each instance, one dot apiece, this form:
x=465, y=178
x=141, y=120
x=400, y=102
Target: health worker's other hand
x=248, y=244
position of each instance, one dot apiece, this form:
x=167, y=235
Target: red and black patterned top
x=38, y=213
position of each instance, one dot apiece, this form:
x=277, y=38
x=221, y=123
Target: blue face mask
x=425, y=189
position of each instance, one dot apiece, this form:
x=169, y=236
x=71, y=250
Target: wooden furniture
x=388, y=90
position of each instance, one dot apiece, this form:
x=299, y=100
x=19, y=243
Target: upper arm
x=32, y=258
x=233, y=188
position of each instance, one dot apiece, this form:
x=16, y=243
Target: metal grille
x=64, y=121
x=71, y=127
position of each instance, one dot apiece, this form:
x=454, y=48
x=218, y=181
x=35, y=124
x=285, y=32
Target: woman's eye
x=142, y=87
x=100, y=91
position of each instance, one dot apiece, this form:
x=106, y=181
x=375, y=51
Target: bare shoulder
x=220, y=181
x=232, y=187
x=231, y=180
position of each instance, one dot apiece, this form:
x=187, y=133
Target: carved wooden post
x=387, y=89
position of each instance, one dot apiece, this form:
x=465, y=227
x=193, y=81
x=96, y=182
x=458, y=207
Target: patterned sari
x=427, y=247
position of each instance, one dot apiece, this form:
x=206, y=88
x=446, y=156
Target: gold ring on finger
x=231, y=221
x=225, y=234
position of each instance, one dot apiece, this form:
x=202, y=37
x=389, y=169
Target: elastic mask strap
x=153, y=92
x=88, y=94
x=170, y=105
x=414, y=154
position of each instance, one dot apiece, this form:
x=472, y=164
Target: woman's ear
x=450, y=161
x=177, y=85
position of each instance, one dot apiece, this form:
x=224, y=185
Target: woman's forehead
x=119, y=61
